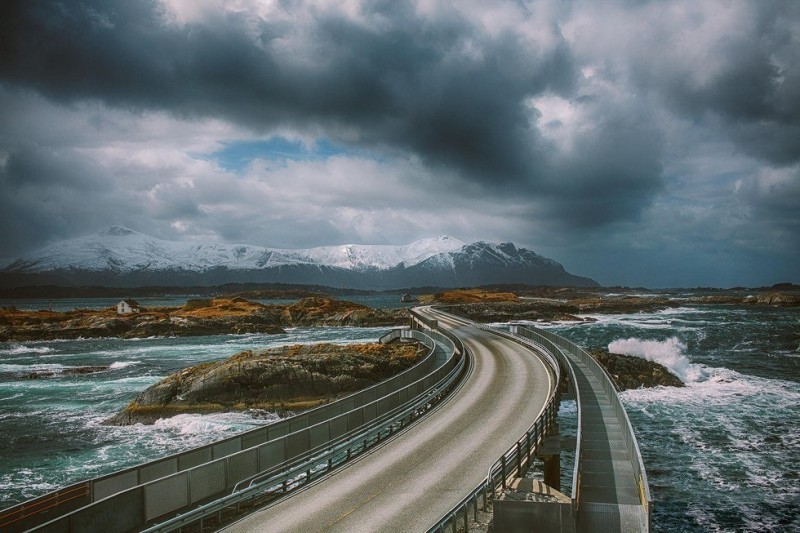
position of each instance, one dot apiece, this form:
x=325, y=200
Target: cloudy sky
x=650, y=143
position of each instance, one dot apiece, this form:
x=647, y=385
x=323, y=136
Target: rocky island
x=289, y=378
x=629, y=372
x=215, y=316
x=550, y=304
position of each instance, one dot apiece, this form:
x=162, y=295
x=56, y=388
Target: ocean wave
x=12, y=397
x=736, y=435
x=669, y=352
x=38, y=367
x=19, y=349
x=116, y=365
x=721, y=387
x=188, y=424
x=654, y=321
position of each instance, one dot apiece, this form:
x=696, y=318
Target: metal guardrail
x=635, y=456
x=137, y=506
x=515, y=460
x=69, y=499
x=318, y=462
x=533, y=336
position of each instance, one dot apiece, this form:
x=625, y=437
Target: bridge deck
x=608, y=489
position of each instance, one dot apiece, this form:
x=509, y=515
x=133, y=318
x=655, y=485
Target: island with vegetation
x=289, y=378
x=213, y=316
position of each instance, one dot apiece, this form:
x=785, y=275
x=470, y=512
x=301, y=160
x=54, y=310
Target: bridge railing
x=547, y=344
x=317, y=462
x=68, y=499
x=635, y=456
x=513, y=462
x=133, y=508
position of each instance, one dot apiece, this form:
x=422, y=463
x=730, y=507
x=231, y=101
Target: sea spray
x=669, y=352
x=21, y=349
x=117, y=365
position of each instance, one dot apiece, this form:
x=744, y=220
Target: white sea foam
x=714, y=423
x=19, y=349
x=669, y=352
x=188, y=424
x=12, y=397
x=116, y=365
x=41, y=367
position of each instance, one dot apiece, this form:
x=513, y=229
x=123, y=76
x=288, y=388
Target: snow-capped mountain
x=123, y=257
x=123, y=250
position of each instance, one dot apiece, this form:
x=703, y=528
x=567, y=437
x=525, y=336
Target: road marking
x=348, y=513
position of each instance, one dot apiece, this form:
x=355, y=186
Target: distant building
x=126, y=307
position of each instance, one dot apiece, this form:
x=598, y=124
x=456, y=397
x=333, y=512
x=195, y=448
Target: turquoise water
x=52, y=427
x=722, y=454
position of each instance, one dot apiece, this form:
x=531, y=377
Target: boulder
x=630, y=372
x=288, y=378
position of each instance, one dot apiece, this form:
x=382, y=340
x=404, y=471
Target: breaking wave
x=19, y=349
x=32, y=368
x=116, y=365
x=669, y=352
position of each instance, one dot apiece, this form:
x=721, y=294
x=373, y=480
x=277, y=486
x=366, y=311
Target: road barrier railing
x=515, y=461
x=68, y=500
x=285, y=477
x=179, y=492
x=634, y=453
x=535, y=338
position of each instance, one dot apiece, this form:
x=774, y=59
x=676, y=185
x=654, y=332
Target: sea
x=722, y=453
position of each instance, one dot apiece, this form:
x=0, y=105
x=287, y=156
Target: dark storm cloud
x=441, y=88
x=749, y=81
x=47, y=194
x=406, y=84
x=579, y=124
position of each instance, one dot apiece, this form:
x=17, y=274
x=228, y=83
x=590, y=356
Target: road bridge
x=422, y=474
x=501, y=405
x=610, y=490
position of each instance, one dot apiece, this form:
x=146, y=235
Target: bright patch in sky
x=237, y=156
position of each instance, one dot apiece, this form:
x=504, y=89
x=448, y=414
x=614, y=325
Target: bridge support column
x=552, y=471
x=551, y=455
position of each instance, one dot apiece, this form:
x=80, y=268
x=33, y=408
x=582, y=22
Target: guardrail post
x=528, y=445
x=503, y=472
x=466, y=517
x=519, y=460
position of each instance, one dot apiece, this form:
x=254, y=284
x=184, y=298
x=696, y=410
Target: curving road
x=414, y=479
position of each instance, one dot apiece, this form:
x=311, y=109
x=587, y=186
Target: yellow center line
x=348, y=513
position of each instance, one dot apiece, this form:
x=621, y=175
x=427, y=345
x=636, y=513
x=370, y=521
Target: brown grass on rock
x=468, y=296
x=286, y=378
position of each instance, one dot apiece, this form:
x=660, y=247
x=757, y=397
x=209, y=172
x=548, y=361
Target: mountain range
x=122, y=257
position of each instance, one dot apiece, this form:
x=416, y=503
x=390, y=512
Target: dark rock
x=321, y=311
x=630, y=372
x=289, y=378
x=74, y=371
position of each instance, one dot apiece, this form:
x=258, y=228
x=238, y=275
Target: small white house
x=126, y=307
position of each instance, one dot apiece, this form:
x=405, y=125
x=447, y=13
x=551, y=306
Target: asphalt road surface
x=414, y=479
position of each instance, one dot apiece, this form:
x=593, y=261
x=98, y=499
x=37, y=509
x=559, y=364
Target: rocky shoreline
x=299, y=377
x=283, y=379
x=547, y=304
x=629, y=372
x=217, y=316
